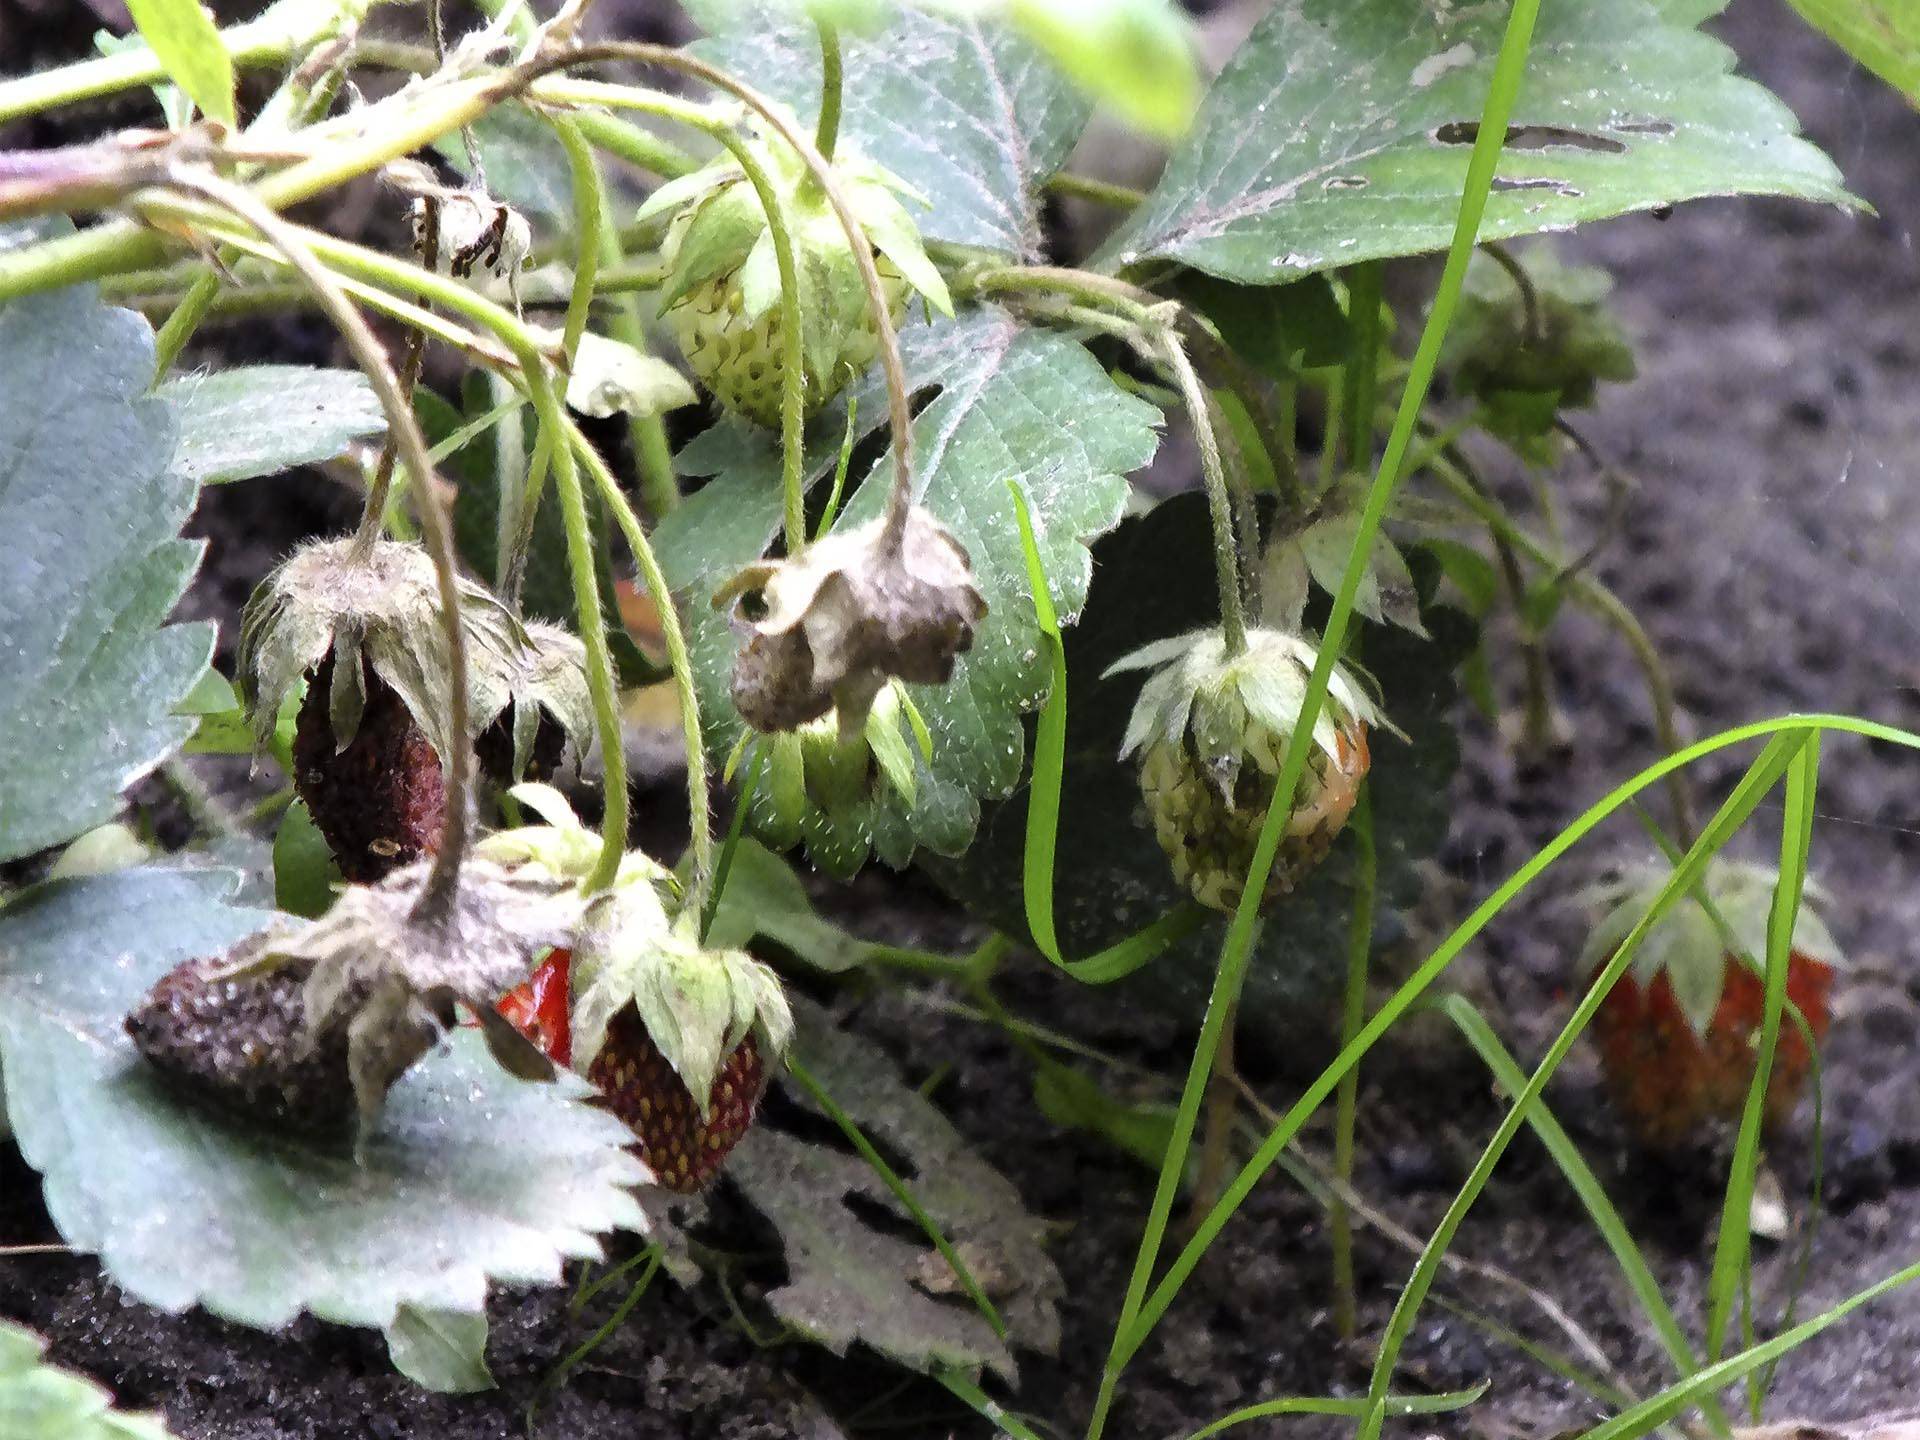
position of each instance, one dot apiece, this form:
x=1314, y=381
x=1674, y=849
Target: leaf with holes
x=89, y=676
x=967, y=112
x=1340, y=132
x=473, y=1176
x=40, y=1402
x=1153, y=580
x=262, y=419
x=1015, y=404
x=857, y=1267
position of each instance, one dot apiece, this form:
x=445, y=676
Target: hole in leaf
x=1531, y=137
x=880, y=1217
x=1537, y=182
x=1345, y=182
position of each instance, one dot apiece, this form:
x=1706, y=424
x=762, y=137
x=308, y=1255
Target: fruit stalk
x=1226, y=562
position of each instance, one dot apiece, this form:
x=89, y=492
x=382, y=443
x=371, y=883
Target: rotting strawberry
x=1211, y=730
x=380, y=801
x=361, y=625
x=550, y=716
x=1677, y=1033
x=722, y=293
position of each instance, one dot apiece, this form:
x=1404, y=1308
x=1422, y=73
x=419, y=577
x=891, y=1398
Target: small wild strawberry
x=683, y=1142
x=1677, y=1032
x=1211, y=731
x=541, y=1007
x=722, y=293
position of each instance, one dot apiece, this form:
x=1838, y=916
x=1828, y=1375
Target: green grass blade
x=904, y=1195
x=1428, y=971
x=985, y=1406
x=1043, y=806
x=1606, y=1219
x=1319, y=1405
x=1505, y=84
x=1754, y=785
x=1658, y=1409
x=724, y=866
x=1732, y=1253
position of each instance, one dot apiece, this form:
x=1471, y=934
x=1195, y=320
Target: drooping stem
x=374, y=509
x=827, y=132
x=1353, y=1012
x=1532, y=320
x=893, y=368
x=679, y=660
x=1233, y=620
x=443, y=880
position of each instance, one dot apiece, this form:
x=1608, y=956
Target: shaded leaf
x=186, y=40
x=848, y=1280
x=472, y=1176
x=1134, y=55
x=442, y=1350
x=1016, y=404
x=40, y=1402
x=304, y=871
x=966, y=111
x=261, y=419
x=764, y=900
x=89, y=678
x=1340, y=132
x=1883, y=35
x=1153, y=579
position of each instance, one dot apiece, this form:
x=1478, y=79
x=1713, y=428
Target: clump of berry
x=308, y=1025
x=362, y=627
x=1211, y=732
x=721, y=298
x=1677, y=1033
x=827, y=629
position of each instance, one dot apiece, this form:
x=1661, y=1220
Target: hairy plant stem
x=827, y=131
x=1226, y=564
x=437, y=895
x=373, y=510
x=646, y=433
x=900, y=496
x=679, y=660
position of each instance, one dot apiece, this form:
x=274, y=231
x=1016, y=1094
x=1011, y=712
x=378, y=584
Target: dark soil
x=1772, y=545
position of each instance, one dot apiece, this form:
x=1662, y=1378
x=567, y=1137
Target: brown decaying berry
x=237, y=1044
x=1670, y=1084
x=494, y=749
x=380, y=802
x=637, y=1084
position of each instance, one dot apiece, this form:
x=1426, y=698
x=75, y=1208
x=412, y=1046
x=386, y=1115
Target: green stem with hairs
x=646, y=433
x=679, y=659
x=827, y=132
x=1226, y=563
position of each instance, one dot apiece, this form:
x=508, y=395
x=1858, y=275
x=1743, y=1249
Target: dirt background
x=1772, y=546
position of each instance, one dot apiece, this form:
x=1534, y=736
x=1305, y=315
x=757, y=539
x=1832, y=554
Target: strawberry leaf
x=965, y=110
x=1016, y=404
x=40, y=1402
x=1883, y=35
x=261, y=419
x=1340, y=132
x=441, y=1350
x=89, y=676
x=472, y=1176
x=849, y=1280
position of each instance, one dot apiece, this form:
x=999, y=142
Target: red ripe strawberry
x=381, y=800
x=683, y=1148
x=540, y=1007
x=1678, y=1033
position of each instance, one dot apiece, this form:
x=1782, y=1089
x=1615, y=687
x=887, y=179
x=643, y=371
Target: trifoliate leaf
x=40, y=1402
x=849, y=1280
x=261, y=419
x=90, y=680
x=1340, y=132
x=964, y=109
x=1028, y=406
x=471, y=1177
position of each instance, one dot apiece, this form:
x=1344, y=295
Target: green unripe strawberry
x=1211, y=733
x=722, y=294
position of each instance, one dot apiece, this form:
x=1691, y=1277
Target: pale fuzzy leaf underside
x=261, y=419
x=89, y=676
x=472, y=1176
x=1341, y=129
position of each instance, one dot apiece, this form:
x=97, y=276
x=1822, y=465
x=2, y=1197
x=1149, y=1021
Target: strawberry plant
x=750, y=400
